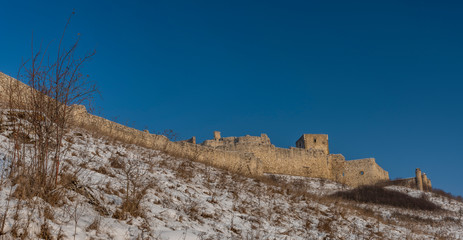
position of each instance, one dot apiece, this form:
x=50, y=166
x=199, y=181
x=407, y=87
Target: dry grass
x=45, y=232
x=380, y=195
x=95, y=225
x=443, y=193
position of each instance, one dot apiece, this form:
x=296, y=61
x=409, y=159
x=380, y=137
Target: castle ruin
x=248, y=155
x=420, y=181
x=310, y=158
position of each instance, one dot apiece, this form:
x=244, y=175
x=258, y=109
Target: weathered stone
x=419, y=179
x=310, y=158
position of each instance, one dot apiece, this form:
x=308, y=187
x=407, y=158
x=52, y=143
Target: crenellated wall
x=304, y=160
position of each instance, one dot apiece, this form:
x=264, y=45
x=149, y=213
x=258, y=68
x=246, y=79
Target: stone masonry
x=310, y=158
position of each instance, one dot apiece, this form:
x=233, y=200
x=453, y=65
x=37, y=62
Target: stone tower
x=419, y=179
x=314, y=141
x=216, y=135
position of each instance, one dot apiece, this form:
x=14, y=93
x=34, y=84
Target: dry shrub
x=380, y=195
x=412, y=219
x=49, y=213
x=132, y=206
x=185, y=170
x=324, y=225
x=116, y=162
x=295, y=190
x=27, y=188
x=61, y=235
x=449, y=195
x=45, y=232
x=95, y=225
x=68, y=180
x=103, y=170
x=119, y=214
x=137, y=183
x=20, y=136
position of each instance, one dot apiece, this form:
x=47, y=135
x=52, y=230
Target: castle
x=311, y=158
x=248, y=155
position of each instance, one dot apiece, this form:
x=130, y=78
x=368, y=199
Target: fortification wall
x=293, y=161
x=12, y=88
x=247, y=155
x=363, y=172
x=338, y=163
x=314, y=141
x=413, y=182
x=427, y=186
x=304, y=162
x=405, y=182
x=4, y=83
x=239, y=162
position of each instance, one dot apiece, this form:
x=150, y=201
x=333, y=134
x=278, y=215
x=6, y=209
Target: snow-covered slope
x=181, y=199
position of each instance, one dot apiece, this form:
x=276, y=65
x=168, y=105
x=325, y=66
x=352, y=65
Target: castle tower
x=424, y=178
x=314, y=141
x=426, y=182
x=419, y=179
x=216, y=135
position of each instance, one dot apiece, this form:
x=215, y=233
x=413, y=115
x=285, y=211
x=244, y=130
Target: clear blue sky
x=383, y=79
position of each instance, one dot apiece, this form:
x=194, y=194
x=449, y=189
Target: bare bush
x=137, y=182
x=41, y=113
x=449, y=195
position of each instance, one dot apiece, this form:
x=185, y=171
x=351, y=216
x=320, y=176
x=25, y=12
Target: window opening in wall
x=314, y=140
x=361, y=172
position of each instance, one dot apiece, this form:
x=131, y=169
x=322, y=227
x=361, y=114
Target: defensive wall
x=243, y=163
x=12, y=88
x=248, y=155
x=310, y=158
x=420, y=181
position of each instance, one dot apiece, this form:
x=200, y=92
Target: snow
x=182, y=199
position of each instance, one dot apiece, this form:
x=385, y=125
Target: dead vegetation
x=448, y=195
x=380, y=195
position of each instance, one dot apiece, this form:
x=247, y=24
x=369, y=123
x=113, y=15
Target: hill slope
x=114, y=190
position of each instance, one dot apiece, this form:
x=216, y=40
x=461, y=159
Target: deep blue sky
x=384, y=80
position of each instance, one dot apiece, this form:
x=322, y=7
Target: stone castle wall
x=12, y=88
x=243, y=163
x=363, y=172
x=248, y=155
x=293, y=161
x=420, y=181
x=314, y=141
x=303, y=160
